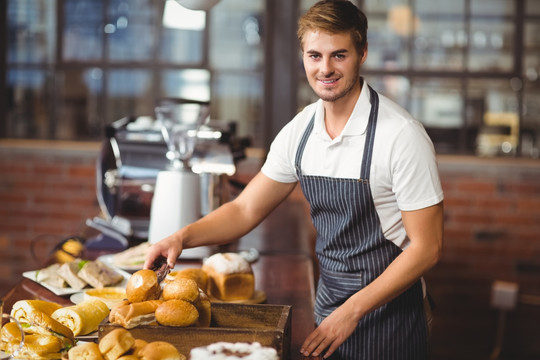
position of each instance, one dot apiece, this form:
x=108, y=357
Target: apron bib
x=352, y=252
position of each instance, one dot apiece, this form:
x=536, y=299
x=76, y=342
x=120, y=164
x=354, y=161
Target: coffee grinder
x=177, y=194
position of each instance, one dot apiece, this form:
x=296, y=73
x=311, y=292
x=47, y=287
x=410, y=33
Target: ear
x=363, y=56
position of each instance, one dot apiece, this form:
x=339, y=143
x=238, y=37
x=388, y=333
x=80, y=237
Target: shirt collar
x=357, y=123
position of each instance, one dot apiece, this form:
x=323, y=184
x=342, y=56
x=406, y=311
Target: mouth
x=328, y=81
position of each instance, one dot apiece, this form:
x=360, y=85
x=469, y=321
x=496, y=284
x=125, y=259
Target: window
x=114, y=58
x=463, y=68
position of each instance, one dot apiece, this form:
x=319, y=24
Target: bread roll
x=178, y=313
x=128, y=357
x=85, y=351
x=181, y=289
x=204, y=307
x=230, y=277
x=142, y=286
x=131, y=315
x=197, y=274
x=160, y=350
x=116, y=343
x=83, y=318
x=137, y=346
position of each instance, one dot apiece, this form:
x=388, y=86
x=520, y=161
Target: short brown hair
x=335, y=16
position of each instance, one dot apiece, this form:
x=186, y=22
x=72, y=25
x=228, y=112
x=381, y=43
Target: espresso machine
x=157, y=174
x=177, y=193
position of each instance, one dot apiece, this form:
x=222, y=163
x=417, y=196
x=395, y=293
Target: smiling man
x=369, y=173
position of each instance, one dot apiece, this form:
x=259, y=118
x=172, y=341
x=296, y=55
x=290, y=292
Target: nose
x=327, y=68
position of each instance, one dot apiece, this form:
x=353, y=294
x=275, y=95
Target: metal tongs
x=161, y=268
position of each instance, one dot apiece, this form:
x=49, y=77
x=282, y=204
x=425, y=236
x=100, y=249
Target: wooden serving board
x=270, y=325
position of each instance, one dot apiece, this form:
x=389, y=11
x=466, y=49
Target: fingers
x=151, y=256
x=315, y=343
x=171, y=258
x=161, y=249
x=317, y=346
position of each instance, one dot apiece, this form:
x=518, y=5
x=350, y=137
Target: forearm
x=425, y=229
x=225, y=224
x=402, y=273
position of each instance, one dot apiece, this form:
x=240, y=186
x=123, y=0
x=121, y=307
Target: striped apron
x=352, y=252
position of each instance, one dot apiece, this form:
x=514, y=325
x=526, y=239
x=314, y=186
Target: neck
x=337, y=113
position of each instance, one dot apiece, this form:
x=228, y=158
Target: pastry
x=233, y=351
x=83, y=318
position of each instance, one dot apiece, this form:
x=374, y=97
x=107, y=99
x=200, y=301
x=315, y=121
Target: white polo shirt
x=404, y=174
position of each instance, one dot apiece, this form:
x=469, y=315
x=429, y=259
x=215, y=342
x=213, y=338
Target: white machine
x=177, y=194
x=156, y=175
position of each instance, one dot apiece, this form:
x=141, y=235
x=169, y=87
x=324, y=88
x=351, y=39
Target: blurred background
x=467, y=69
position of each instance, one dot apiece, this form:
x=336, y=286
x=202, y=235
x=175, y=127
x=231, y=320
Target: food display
x=165, y=316
x=179, y=303
x=233, y=351
x=83, y=318
x=119, y=344
x=74, y=276
x=230, y=277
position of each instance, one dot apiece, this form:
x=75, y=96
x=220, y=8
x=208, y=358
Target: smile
x=329, y=82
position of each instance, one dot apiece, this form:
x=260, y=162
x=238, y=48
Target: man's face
x=332, y=64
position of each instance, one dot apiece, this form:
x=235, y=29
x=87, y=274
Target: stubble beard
x=332, y=97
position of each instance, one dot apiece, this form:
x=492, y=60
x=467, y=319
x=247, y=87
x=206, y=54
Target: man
x=369, y=172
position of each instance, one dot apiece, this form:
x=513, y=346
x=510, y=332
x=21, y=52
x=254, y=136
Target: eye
x=314, y=56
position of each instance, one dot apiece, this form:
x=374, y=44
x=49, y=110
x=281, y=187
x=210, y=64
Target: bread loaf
x=230, y=277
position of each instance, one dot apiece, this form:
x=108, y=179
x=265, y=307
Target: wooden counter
x=284, y=270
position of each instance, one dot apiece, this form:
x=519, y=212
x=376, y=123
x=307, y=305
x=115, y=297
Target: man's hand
x=168, y=248
x=331, y=333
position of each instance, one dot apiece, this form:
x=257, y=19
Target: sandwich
x=35, y=346
x=97, y=274
x=35, y=318
x=49, y=276
x=68, y=272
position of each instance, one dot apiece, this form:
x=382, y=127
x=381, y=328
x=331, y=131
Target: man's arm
x=227, y=223
x=425, y=230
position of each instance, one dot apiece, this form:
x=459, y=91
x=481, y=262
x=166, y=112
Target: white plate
x=109, y=260
x=67, y=290
x=198, y=253
x=77, y=298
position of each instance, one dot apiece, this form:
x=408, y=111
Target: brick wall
x=492, y=218
x=47, y=191
x=492, y=209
